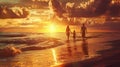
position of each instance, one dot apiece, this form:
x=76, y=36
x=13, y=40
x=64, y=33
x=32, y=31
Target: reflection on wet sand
x=70, y=52
x=54, y=56
x=85, y=47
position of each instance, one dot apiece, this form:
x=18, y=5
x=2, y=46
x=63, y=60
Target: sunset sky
x=98, y=14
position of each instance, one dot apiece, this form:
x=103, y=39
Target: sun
x=52, y=28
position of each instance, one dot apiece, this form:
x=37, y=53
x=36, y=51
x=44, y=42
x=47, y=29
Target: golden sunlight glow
x=115, y=1
x=52, y=28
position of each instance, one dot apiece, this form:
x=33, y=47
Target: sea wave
x=29, y=41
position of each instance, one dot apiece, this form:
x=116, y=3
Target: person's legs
x=74, y=37
x=83, y=35
x=68, y=35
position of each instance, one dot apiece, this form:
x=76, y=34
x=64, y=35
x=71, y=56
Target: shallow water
x=69, y=51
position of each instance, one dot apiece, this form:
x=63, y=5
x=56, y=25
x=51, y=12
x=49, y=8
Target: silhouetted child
x=74, y=35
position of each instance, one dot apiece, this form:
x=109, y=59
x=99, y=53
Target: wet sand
x=108, y=58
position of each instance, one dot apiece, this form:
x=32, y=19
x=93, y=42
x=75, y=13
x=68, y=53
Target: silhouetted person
x=74, y=35
x=83, y=30
x=68, y=32
x=85, y=47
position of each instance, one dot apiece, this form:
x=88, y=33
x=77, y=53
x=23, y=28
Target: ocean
x=57, y=50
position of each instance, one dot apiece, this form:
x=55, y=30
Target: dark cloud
x=110, y=26
x=10, y=13
x=94, y=9
x=114, y=10
x=57, y=8
x=98, y=8
x=101, y=6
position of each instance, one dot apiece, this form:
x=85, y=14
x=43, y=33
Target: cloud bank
x=13, y=13
x=91, y=8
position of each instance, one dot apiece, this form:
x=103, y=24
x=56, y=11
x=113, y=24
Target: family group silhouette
x=84, y=43
x=83, y=31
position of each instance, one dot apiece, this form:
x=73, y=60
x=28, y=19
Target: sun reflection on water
x=55, y=58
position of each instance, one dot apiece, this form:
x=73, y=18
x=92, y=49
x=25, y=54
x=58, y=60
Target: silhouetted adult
x=68, y=32
x=83, y=30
